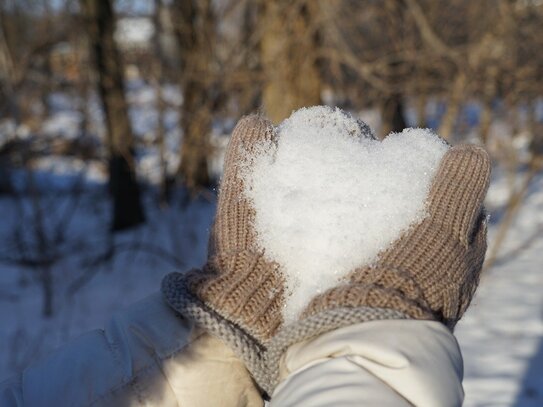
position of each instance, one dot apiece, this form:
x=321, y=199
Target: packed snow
x=330, y=196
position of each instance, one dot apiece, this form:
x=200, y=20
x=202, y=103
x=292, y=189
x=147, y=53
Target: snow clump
x=329, y=196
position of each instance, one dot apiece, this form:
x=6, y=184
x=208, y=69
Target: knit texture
x=237, y=282
x=432, y=271
x=238, y=294
x=263, y=359
x=178, y=296
x=242, y=287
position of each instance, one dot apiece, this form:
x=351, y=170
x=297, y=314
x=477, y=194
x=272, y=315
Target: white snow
x=134, y=32
x=64, y=124
x=330, y=197
x=88, y=287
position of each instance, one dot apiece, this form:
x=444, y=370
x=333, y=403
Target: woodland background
x=114, y=116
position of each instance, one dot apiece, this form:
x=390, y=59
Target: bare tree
x=157, y=73
x=289, y=52
x=194, y=31
x=100, y=23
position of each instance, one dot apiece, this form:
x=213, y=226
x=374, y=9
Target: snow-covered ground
x=501, y=335
x=95, y=274
x=56, y=223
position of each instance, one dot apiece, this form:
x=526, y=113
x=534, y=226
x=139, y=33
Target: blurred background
x=114, y=116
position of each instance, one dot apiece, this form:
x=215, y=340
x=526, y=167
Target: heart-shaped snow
x=329, y=197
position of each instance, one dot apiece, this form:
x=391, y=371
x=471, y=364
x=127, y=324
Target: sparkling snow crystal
x=329, y=197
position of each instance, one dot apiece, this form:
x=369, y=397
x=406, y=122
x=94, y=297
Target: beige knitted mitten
x=238, y=282
x=432, y=271
x=238, y=294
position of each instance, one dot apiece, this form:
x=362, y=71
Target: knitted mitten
x=431, y=272
x=238, y=294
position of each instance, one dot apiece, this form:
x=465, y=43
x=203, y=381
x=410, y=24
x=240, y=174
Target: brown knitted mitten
x=238, y=294
x=431, y=272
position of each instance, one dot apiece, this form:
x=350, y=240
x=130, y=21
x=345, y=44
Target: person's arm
x=381, y=363
x=147, y=355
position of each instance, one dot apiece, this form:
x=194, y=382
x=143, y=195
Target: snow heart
x=329, y=196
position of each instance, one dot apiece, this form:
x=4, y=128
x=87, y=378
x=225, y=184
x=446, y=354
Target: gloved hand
x=431, y=272
x=238, y=294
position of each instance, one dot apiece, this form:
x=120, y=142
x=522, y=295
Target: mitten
x=430, y=273
x=238, y=294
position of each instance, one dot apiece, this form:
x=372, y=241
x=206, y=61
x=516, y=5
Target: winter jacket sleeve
x=382, y=363
x=147, y=356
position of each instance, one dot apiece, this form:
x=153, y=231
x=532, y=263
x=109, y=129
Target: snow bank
x=329, y=197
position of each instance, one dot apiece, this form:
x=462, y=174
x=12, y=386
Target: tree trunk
x=454, y=103
x=157, y=73
x=421, y=109
x=100, y=23
x=392, y=114
x=8, y=101
x=288, y=54
x=194, y=31
x=393, y=101
x=536, y=130
x=486, y=120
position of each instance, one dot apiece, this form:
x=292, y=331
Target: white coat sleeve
x=381, y=363
x=146, y=356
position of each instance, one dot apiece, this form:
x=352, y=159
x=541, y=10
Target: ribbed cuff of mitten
x=383, y=289
x=179, y=297
x=244, y=288
x=261, y=358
